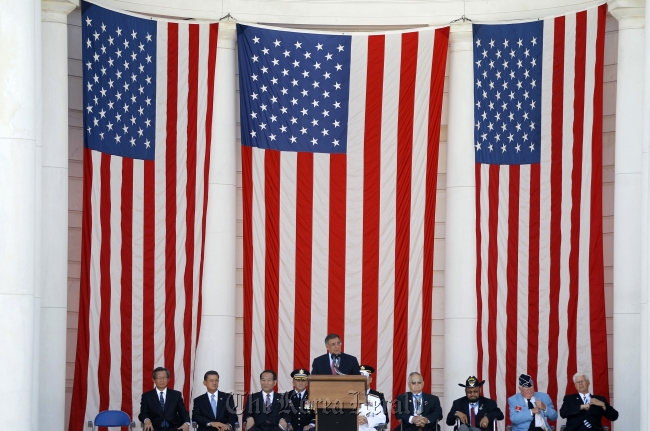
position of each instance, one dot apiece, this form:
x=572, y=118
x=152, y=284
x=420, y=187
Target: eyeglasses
x=417, y=383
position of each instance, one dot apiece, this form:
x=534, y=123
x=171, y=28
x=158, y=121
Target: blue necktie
x=213, y=403
x=164, y=423
x=418, y=403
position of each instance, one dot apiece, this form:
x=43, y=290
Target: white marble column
x=628, y=211
x=17, y=204
x=460, y=236
x=216, y=347
x=38, y=214
x=645, y=254
x=54, y=223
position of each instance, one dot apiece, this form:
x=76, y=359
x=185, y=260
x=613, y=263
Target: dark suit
x=486, y=407
x=175, y=413
x=575, y=417
x=255, y=409
x=404, y=409
x=202, y=411
x=295, y=412
x=381, y=397
x=349, y=365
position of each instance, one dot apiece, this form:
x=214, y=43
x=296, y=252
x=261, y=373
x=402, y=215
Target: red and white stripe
x=539, y=231
x=142, y=240
x=344, y=243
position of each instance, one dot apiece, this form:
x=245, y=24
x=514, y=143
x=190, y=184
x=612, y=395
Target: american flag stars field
x=119, y=80
x=507, y=93
x=295, y=90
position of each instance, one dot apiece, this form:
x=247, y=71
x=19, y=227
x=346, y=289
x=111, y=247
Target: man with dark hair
x=214, y=409
x=264, y=410
x=162, y=408
x=298, y=415
x=585, y=411
x=416, y=409
x=334, y=361
x=473, y=410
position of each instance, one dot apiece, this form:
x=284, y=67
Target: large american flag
x=538, y=92
x=148, y=92
x=340, y=139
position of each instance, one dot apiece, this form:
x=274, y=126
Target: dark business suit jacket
x=295, y=412
x=202, y=410
x=175, y=413
x=575, y=417
x=430, y=409
x=349, y=365
x=486, y=407
x=255, y=408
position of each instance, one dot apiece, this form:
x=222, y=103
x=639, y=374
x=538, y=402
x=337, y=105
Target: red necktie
x=472, y=417
x=333, y=368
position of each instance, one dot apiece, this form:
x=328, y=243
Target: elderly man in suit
x=214, y=409
x=530, y=410
x=473, y=410
x=584, y=411
x=162, y=408
x=334, y=361
x=416, y=409
x=265, y=410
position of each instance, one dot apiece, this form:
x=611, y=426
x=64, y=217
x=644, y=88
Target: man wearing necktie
x=530, y=410
x=473, y=411
x=584, y=411
x=264, y=410
x=334, y=361
x=416, y=409
x=162, y=408
x=214, y=410
x=298, y=415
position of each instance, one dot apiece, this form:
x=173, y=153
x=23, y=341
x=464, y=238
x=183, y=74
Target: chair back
x=112, y=418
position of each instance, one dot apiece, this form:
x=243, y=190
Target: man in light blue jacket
x=530, y=410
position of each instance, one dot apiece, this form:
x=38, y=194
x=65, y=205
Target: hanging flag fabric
x=147, y=100
x=340, y=138
x=538, y=93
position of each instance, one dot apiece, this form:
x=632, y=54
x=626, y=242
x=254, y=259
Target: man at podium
x=334, y=361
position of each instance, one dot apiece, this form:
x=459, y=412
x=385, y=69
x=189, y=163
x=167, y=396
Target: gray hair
x=414, y=373
x=585, y=375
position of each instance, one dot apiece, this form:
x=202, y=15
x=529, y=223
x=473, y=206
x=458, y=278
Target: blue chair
x=111, y=418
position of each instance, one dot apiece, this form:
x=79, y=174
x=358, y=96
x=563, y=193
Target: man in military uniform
x=374, y=412
x=297, y=414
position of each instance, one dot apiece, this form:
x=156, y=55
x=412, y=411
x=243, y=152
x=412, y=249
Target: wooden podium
x=336, y=401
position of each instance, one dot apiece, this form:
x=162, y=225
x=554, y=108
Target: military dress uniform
x=375, y=408
x=297, y=412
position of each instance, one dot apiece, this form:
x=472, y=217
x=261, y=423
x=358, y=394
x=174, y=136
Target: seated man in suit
x=473, y=410
x=416, y=409
x=214, y=409
x=162, y=408
x=374, y=411
x=335, y=362
x=298, y=415
x=530, y=410
x=264, y=410
x=584, y=411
